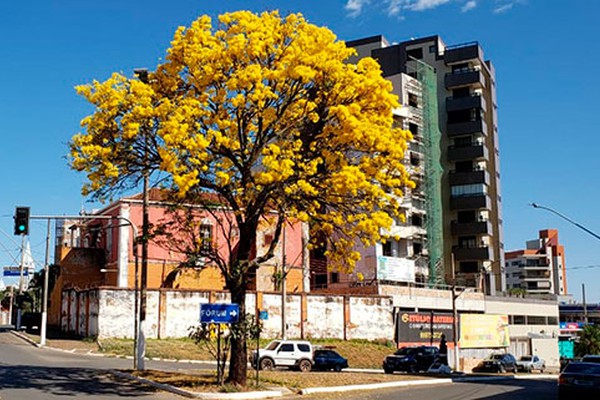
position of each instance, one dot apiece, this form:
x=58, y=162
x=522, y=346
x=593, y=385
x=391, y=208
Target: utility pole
x=585, y=312
x=43, y=328
x=283, y=286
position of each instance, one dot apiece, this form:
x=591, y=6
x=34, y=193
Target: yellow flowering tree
x=266, y=114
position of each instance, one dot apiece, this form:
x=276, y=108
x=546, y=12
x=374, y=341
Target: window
x=417, y=248
x=335, y=278
x=413, y=100
x=463, y=141
x=417, y=220
x=415, y=53
x=205, y=238
x=304, y=348
x=386, y=248
x=552, y=321
x=287, y=347
x=461, y=92
x=432, y=48
x=467, y=242
x=415, y=159
x=463, y=166
x=467, y=190
x=459, y=68
x=519, y=319
x=414, y=129
x=468, y=267
x=535, y=320
x=466, y=216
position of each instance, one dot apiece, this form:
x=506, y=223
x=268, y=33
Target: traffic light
x=22, y=221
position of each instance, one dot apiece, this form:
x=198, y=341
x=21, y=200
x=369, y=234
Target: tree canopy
x=266, y=113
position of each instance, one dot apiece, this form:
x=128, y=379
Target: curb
x=505, y=377
x=196, y=395
x=26, y=338
x=371, y=386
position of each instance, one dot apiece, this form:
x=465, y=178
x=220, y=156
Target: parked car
x=293, y=354
x=497, y=363
x=591, y=358
x=410, y=359
x=326, y=359
x=531, y=363
x=579, y=378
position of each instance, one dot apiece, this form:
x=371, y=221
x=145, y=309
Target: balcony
x=471, y=253
x=466, y=102
x=471, y=228
x=468, y=152
x=463, y=52
x=480, y=201
x=466, y=127
x=465, y=77
x=469, y=177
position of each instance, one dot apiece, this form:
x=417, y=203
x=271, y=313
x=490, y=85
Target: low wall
x=170, y=313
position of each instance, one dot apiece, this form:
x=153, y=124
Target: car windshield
x=526, y=358
x=273, y=345
x=405, y=351
x=496, y=356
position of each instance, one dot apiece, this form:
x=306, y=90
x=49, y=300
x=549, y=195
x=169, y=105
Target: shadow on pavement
x=69, y=381
x=512, y=389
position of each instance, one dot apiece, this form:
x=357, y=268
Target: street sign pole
x=19, y=311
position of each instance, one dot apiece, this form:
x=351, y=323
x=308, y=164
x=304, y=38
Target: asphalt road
x=29, y=373
x=501, y=389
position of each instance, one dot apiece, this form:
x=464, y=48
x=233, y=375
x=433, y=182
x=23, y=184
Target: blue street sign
x=219, y=313
x=15, y=271
x=263, y=315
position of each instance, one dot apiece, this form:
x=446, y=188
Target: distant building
x=95, y=253
x=540, y=267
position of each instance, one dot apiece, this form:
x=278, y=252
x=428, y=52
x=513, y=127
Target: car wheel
x=337, y=368
x=412, y=369
x=501, y=369
x=266, y=364
x=388, y=371
x=304, y=366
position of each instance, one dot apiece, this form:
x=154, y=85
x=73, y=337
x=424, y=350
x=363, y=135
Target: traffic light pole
x=21, y=268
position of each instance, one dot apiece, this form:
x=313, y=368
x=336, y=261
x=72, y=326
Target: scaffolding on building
x=432, y=136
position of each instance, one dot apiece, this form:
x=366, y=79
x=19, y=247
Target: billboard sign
x=483, y=331
x=395, y=269
x=416, y=327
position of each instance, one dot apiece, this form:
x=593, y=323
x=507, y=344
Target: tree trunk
x=238, y=364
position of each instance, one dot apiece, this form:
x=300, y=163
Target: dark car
x=591, y=358
x=579, y=378
x=410, y=359
x=497, y=363
x=326, y=360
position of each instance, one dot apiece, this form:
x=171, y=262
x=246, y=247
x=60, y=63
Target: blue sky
x=545, y=53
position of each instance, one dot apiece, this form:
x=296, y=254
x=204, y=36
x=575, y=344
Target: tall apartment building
x=540, y=267
x=467, y=116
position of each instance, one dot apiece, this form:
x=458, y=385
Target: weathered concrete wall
x=370, y=318
x=325, y=317
x=183, y=311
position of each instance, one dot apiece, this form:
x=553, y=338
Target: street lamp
x=583, y=228
x=535, y=205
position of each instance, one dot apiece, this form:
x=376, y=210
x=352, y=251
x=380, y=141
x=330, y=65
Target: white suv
x=296, y=354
